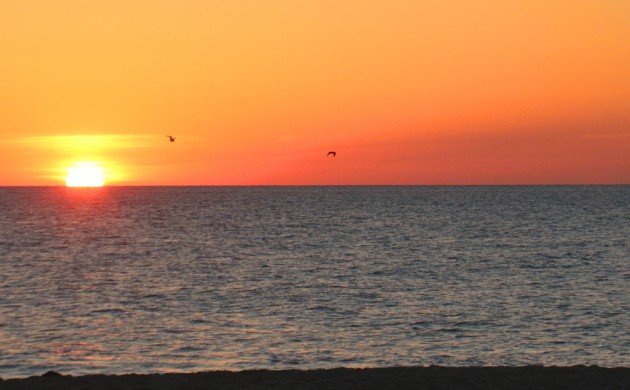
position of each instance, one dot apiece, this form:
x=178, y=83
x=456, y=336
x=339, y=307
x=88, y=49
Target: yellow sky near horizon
x=407, y=92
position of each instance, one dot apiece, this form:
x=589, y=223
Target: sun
x=85, y=174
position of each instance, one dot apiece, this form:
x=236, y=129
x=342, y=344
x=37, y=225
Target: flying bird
x=334, y=154
x=170, y=138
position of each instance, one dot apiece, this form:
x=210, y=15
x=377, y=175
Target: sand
x=530, y=377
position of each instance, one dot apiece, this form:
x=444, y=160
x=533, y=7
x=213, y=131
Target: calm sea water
x=120, y=280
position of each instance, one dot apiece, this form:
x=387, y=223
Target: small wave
x=112, y=311
x=189, y=349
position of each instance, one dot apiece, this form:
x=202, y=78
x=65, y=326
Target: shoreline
x=433, y=377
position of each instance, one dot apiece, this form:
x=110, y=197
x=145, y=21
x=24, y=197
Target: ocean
x=162, y=279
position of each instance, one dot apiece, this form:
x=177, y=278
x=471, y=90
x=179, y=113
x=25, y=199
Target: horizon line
x=324, y=185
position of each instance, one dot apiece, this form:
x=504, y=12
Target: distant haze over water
x=158, y=279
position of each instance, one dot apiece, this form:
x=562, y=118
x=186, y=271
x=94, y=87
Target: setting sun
x=85, y=175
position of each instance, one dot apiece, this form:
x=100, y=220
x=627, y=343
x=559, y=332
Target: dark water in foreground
x=119, y=280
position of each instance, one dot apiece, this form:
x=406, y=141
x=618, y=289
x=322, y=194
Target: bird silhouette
x=334, y=154
x=170, y=138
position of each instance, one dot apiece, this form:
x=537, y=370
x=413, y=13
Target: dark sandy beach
x=530, y=377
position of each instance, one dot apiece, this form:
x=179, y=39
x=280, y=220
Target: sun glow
x=85, y=175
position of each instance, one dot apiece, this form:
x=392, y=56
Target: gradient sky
x=256, y=92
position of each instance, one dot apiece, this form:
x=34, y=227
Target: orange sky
x=256, y=92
